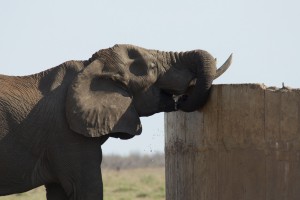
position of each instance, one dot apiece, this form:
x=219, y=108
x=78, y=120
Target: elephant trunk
x=193, y=72
x=203, y=66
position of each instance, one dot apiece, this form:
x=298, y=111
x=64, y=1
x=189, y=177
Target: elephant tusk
x=193, y=82
x=176, y=100
x=224, y=67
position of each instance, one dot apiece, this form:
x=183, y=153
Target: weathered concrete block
x=244, y=144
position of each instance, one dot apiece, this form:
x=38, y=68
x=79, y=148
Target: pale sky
x=264, y=36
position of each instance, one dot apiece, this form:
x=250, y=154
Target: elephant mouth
x=175, y=92
x=181, y=93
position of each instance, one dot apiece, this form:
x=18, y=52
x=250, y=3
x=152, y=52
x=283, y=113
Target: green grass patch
x=129, y=184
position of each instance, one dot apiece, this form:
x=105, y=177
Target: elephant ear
x=98, y=104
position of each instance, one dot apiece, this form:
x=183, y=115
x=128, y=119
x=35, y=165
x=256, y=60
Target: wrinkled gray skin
x=52, y=124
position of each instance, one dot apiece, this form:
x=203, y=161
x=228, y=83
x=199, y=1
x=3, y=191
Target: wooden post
x=244, y=144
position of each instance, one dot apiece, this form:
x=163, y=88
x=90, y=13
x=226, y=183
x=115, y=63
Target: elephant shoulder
x=59, y=76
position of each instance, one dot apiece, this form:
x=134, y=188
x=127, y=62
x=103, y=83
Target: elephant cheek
x=158, y=101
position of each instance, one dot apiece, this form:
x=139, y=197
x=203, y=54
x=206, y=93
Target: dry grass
x=146, y=184
x=129, y=184
x=36, y=194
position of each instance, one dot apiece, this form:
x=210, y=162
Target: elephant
x=53, y=123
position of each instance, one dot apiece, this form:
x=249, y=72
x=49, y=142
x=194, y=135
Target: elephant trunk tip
x=224, y=67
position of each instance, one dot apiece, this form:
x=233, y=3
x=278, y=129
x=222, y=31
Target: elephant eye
x=152, y=65
x=153, y=70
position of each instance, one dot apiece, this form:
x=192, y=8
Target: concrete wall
x=244, y=144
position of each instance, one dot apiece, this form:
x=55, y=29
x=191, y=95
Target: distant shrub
x=133, y=161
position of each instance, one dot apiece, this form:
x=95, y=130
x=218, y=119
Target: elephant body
x=52, y=124
x=35, y=138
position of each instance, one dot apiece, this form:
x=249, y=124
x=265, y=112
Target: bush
x=133, y=161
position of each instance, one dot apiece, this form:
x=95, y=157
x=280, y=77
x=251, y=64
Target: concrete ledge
x=244, y=144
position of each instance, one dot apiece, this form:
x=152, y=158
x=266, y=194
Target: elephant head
x=120, y=84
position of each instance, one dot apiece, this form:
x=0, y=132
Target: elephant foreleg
x=77, y=168
x=55, y=192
